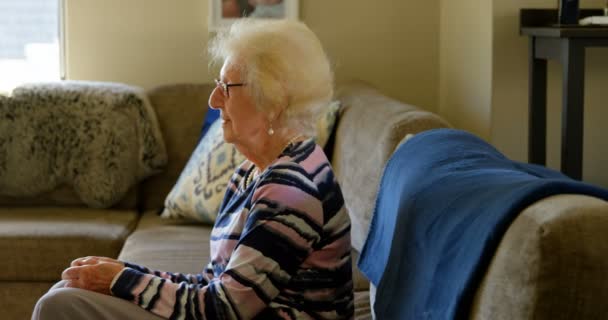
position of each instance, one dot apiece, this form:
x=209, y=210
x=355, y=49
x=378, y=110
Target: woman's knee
x=58, y=303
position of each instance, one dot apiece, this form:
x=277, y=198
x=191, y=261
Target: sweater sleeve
x=199, y=278
x=282, y=227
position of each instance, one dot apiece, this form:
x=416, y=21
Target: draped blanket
x=99, y=138
x=445, y=200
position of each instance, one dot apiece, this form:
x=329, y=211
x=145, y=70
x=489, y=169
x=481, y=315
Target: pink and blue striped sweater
x=280, y=249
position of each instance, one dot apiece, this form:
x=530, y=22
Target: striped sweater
x=280, y=249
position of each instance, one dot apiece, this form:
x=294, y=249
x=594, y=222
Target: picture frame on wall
x=222, y=13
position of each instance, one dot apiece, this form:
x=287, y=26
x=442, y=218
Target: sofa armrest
x=370, y=127
x=552, y=263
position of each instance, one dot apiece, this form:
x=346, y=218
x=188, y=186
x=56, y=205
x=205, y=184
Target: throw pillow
x=210, y=117
x=326, y=122
x=199, y=191
x=200, y=188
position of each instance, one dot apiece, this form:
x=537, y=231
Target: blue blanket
x=445, y=200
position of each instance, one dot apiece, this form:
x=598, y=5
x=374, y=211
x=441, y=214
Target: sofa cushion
x=37, y=244
x=17, y=299
x=168, y=244
x=362, y=306
x=550, y=264
x=386, y=122
x=180, y=109
x=360, y=283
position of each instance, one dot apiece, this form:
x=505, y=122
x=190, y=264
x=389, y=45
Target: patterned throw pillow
x=199, y=191
x=201, y=185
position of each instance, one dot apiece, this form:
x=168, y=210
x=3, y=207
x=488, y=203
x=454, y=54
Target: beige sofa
x=551, y=263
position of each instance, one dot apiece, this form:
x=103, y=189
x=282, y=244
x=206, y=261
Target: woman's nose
x=215, y=101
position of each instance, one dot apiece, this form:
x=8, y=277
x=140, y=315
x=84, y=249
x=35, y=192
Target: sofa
x=550, y=264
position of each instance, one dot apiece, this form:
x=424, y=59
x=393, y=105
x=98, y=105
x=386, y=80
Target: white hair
x=282, y=62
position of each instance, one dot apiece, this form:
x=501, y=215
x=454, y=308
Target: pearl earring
x=270, y=130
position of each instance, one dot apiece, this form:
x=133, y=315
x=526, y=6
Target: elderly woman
x=280, y=247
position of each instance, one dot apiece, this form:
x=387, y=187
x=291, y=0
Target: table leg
x=573, y=83
x=537, y=108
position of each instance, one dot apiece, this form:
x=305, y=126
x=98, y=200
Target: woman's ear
x=276, y=115
x=278, y=105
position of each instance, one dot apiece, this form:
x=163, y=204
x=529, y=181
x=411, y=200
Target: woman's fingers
x=84, y=261
x=91, y=260
x=76, y=262
x=95, y=277
x=71, y=273
x=106, y=259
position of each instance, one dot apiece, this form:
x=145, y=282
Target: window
x=29, y=42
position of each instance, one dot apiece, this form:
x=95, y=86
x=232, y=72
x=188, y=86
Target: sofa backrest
x=65, y=196
x=180, y=109
x=370, y=127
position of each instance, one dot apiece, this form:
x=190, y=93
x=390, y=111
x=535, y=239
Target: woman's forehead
x=231, y=69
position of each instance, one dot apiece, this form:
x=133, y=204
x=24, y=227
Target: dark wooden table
x=567, y=44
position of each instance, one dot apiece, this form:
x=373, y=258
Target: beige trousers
x=70, y=303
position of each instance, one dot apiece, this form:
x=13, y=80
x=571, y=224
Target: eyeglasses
x=225, y=86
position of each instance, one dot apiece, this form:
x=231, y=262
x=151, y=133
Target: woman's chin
x=228, y=138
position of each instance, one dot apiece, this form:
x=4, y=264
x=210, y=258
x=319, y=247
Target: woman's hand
x=92, y=260
x=92, y=273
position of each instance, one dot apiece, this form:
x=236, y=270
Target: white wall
x=140, y=42
x=509, y=121
x=466, y=64
x=391, y=43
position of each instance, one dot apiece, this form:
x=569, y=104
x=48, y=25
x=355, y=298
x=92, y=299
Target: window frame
x=61, y=34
